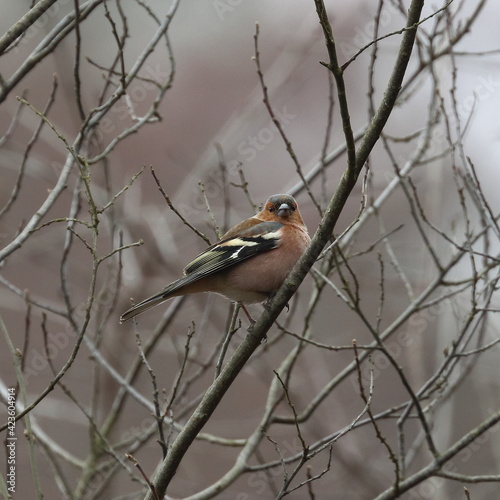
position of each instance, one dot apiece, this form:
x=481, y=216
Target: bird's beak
x=284, y=210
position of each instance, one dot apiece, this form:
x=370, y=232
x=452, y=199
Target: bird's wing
x=239, y=246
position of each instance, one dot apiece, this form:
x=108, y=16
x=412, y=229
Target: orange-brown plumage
x=249, y=263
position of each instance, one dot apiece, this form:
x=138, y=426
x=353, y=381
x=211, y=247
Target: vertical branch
x=394, y=85
x=338, y=75
x=76, y=65
x=326, y=143
x=159, y=416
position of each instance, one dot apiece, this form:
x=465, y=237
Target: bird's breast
x=254, y=279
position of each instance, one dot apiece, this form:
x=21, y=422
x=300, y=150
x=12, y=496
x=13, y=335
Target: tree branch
x=216, y=391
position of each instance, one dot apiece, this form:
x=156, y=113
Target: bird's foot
x=270, y=298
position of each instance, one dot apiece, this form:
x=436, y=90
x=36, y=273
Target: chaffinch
x=248, y=264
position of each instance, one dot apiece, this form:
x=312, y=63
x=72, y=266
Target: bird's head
x=280, y=206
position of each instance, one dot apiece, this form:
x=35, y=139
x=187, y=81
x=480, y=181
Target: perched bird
x=248, y=264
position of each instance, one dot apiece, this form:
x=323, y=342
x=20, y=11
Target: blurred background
x=209, y=125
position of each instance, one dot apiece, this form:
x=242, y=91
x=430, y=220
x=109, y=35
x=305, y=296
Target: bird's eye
x=271, y=209
x=293, y=207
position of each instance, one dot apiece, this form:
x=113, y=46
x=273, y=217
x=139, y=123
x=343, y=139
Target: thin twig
x=176, y=212
x=144, y=475
x=277, y=123
x=232, y=329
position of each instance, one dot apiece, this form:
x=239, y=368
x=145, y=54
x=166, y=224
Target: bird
x=248, y=264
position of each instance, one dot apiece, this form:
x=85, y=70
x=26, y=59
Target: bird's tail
x=143, y=306
x=153, y=301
